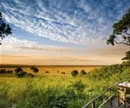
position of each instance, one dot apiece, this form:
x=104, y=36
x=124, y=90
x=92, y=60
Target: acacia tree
x=127, y=58
x=121, y=31
x=121, y=34
x=5, y=29
x=18, y=69
x=34, y=69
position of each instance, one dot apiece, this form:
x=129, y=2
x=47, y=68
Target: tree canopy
x=121, y=31
x=5, y=29
x=34, y=69
x=127, y=58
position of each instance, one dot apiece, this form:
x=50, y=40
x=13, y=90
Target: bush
x=34, y=69
x=62, y=72
x=47, y=72
x=9, y=71
x=17, y=70
x=30, y=75
x=74, y=73
x=82, y=72
x=21, y=74
x=106, y=71
x=2, y=71
x=48, y=98
x=79, y=86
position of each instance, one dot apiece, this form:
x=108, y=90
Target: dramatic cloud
x=61, y=31
x=14, y=43
x=71, y=21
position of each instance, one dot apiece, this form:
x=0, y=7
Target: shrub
x=2, y=71
x=79, y=86
x=34, y=69
x=106, y=71
x=47, y=72
x=21, y=74
x=74, y=73
x=30, y=75
x=60, y=101
x=48, y=98
x=62, y=72
x=9, y=71
x=17, y=70
x=82, y=72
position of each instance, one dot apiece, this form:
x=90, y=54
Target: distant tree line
x=19, y=72
x=4, y=71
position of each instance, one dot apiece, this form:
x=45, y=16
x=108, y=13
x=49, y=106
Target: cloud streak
x=79, y=22
x=61, y=31
x=14, y=43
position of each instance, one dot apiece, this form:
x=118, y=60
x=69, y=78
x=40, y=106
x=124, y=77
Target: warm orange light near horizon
x=99, y=56
x=33, y=60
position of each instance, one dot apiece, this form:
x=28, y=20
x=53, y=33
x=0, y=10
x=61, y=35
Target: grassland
x=56, y=90
x=47, y=91
x=53, y=70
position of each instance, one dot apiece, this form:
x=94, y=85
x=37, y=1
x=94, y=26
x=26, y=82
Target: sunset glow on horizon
x=61, y=32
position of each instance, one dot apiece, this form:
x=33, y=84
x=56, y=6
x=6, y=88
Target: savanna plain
x=56, y=86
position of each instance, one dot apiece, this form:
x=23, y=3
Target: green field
x=58, y=90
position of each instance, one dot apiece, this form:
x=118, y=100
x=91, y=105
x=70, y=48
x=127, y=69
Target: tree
x=127, y=58
x=5, y=29
x=34, y=69
x=18, y=69
x=2, y=71
x=82, y=72
x=121, y=31
x=21, y=74
x=74, y=73
x=121, y=34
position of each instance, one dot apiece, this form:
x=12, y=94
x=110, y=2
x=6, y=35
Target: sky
x=61, y=32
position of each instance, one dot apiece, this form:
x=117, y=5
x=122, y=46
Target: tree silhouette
x=5, y=29
x=127, y=58
x=121, y=31
x=34, y=69
x=74, y=73
x=82, y=72
x=18, y=69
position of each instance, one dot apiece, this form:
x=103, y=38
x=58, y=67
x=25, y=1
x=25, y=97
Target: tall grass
x=44, y=91
x=50, y=92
